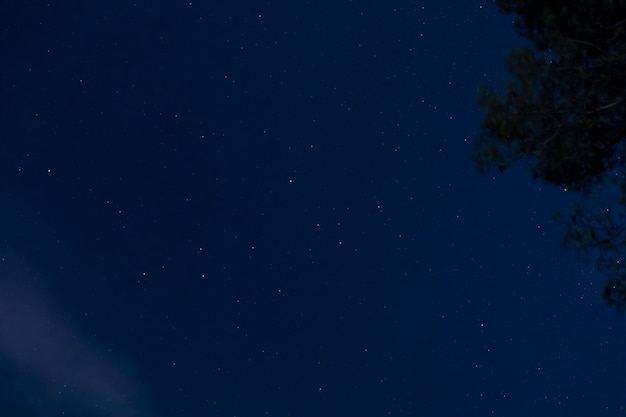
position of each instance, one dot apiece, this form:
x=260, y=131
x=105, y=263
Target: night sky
x=242, y=209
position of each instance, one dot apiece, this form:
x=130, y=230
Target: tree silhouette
x=564, y=113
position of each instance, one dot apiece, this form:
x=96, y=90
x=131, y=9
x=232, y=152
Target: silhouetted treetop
x=564, y=112
x=564, y=109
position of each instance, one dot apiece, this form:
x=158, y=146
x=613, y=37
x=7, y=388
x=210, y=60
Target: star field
x=270, y=209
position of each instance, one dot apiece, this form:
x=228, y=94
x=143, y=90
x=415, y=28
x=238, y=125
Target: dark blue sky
x=269, y=209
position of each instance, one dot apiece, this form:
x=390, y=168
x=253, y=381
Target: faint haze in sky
x=55, y=359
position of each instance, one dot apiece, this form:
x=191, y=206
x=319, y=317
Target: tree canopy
x=564, y=112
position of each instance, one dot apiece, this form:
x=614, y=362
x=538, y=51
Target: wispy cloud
x=65, y=368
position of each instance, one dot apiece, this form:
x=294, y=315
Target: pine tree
x=564, y=109
x=564, y=113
